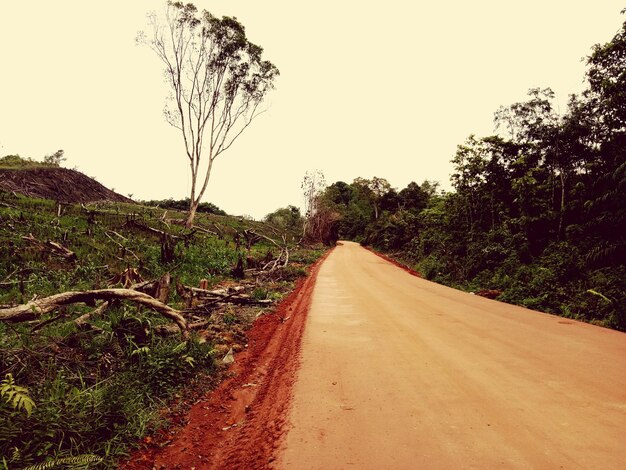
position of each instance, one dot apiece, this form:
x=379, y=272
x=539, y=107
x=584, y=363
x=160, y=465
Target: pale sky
x=384, y=89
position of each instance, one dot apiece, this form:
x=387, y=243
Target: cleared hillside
x=59, y=184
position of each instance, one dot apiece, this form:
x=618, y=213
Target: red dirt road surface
x=401, y=373
x=238, y=425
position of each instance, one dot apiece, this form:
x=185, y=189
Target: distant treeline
x=16, y=162
x=183, y=205
x=538, y=211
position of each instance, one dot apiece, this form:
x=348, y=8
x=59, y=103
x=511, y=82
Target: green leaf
x=602, y=296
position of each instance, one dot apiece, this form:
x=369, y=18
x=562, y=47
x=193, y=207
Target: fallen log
x=134, y=224
x=166, y=330
x=260, y=235
x=241, y=300
x=232, y=295
x=82, y=321
x=205, y=230
x=38, y=307
x=215, y=292
x=53, y=247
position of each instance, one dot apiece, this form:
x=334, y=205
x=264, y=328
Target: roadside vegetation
x=81, y=383
x=538, y=212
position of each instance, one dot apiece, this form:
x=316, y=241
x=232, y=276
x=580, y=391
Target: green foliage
x=286, y=218
x=16, y=162
x=205, y=258
x=97, y=391
x=102, y=404
x=602, y=296
x=78, y=462
x=55, y=159
x=264, y=293
x=15, y=396
x=538, y=211
x=183, y=205
x=168, y=364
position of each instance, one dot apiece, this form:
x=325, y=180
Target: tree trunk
x=194, y=201
x=562, y=211
x=192, y=214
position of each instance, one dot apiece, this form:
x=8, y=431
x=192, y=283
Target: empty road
x=401, y=373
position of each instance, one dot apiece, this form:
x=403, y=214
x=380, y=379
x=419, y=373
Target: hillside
x=59, y=184
x=98, y=371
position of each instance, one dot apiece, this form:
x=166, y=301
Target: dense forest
x=537, y=212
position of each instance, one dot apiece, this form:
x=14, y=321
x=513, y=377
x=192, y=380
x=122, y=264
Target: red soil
x=239, y=424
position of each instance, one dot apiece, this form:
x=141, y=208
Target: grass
x=97, y=391
x=15, y=162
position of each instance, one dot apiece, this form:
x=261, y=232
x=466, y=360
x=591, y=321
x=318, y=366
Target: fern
x=140, y=351
x=189, y=360
x=78, y=461
x=117, y=349
x=16, y=396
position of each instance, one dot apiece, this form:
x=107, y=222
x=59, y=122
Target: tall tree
x=375, y=188
x=320, y=215
x=217, y=81
x=606, y=102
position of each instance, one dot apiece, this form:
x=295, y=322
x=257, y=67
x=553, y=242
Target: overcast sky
x=384, y=89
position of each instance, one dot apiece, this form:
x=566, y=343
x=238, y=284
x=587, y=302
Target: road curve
x=401, y=373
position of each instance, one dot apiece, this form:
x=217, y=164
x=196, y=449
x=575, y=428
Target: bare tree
x=312, y=186
x=320, y=217
x=217, y=81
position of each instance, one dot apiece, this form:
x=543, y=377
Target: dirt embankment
x=239, y=424
x=59, y=184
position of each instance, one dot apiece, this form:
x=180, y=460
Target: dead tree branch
x=38, y=307
x=124, y=249
x=204, y=230
x=166, y=330
x=81, y=322
x=146, y=228
x=52, y=247
x=233, y=295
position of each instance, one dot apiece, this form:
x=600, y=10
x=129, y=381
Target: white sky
x=384, y=89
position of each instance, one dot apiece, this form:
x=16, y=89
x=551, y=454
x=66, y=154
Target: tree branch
x=38, y=307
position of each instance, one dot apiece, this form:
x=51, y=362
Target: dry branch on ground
x=209, y=298
x=51, y=247
x=38, y=307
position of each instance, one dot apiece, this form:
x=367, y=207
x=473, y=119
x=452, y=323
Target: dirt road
x=398, y=372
